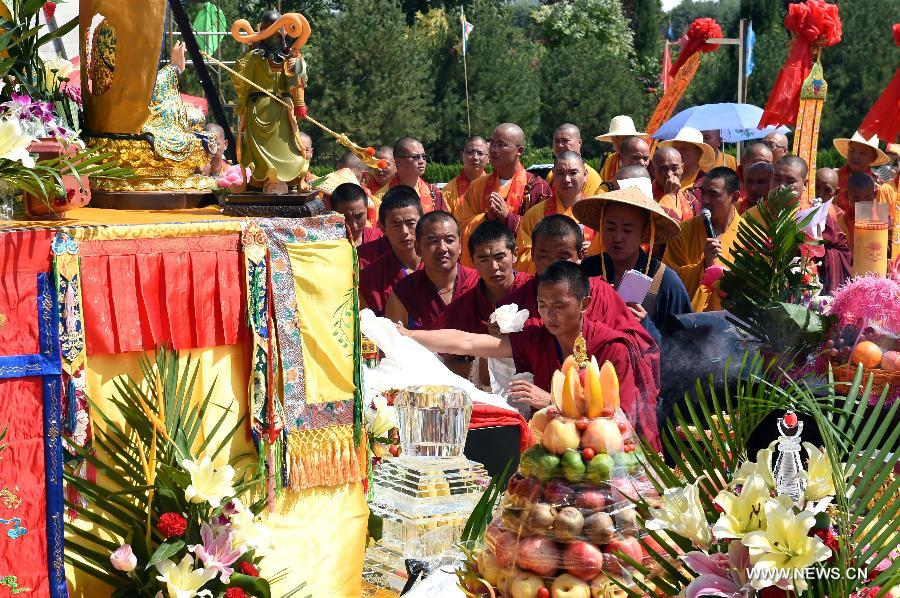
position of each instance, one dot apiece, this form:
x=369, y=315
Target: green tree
x=588, y=87
x=369, y=77
x=765, y=14
x=645, y=17
x=504, y=82
x=601, y=21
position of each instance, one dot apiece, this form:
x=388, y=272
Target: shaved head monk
x=379, y=177
x=420, y=298
x=474, y=157
x=563, y=299
x=410, y=160
x=507, y=193
x=792, y=172
x=757, y=184
x=778, y=143
x=351, y=201
x=827, y=184
x=569, y=174
x=398, y=215
x=713, y=138
x=567, y=138
x=307, y=145
x=667, y=171
x=634, y=151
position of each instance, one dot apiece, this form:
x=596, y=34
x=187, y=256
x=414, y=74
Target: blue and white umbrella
x=736, y=121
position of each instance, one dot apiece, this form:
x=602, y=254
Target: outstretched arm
x=457, y=342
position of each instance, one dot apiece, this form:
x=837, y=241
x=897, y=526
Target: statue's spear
x=367, y=155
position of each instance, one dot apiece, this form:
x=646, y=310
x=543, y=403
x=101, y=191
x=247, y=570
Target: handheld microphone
x=707, y=220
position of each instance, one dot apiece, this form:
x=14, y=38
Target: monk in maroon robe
x=493, y=247
x=562, y=300
x=419, y=299
x=350, y=200
x=398, y=215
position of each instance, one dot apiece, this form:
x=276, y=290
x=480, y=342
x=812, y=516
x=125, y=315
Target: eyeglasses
x=415, y=157
x=501, y=145
x=773, y=145
x=475, y=153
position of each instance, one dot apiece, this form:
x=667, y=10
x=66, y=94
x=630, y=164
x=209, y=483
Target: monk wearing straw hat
x=696, y=156
x=861, y=155
x=626, y=219
x=620, y=128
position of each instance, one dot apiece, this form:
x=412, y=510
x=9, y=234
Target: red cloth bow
x=814, y=23
x=698, y=33
x=883, y=118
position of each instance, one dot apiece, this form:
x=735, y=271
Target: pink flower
x=123, y=559
x=712, y=280
x=216, y=552
x=719, y=574
x=812, y=250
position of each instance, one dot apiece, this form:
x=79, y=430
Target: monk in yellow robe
x=569, y=175
x=694, y=251
x=713, y=138
x=667, y=168
x=505, y=194
x=567, y=138
x=696, y=155
x=620, y=127
x=474, y=157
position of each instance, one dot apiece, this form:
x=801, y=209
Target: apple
x=568, y=524
x=529, y=490
x=540, y=419
x=539, y=554
x=603, y=436
x=504, y=577
x=590, y=499
x=488, y=567
x=600, y=469
x=540, y=517
x=560, y=436
x=558, y=493
x=569, y=586
x=505, y=547
x=547, y=467
x=573, y=467
x=602, y=586
x=627, y=545
x=525, y=585
x=599, y=527
x=583, y=560
x=543, y=593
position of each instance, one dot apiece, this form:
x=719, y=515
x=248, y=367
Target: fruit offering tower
x=425, y=496
x=566, y=516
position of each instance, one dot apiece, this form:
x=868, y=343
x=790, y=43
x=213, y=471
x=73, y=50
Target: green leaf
x=165, y=550
x=255, y=586
x=57, y=33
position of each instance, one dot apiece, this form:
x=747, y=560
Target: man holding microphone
x=706, y=238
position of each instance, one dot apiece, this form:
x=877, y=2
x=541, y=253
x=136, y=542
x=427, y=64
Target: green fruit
x=626, y=462
x=573, y=466
x=599, y=469
x=529, y=460
x=546, y=467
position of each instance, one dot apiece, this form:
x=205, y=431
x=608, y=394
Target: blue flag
x=749, y=63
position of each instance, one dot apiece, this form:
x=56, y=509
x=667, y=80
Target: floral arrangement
x=866, y=333
x=179, y=520
x=722, y=524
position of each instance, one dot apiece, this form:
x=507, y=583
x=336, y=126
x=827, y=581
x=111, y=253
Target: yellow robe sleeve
x=608, y=172
x=685, y=256
x=523, y=237
x=592, y=183
x=451, y=197
x=470, y=215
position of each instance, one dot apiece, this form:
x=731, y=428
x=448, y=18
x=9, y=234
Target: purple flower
x=20, y=103
x=216, y=552
x=43, y=111
x=720, y=574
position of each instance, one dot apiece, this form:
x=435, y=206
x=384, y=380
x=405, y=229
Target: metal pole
x=742, y=79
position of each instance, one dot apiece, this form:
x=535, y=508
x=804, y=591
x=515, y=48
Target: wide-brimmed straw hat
x=694, y=137
x=588, y=211
x=621, y=126
x=842, y=144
